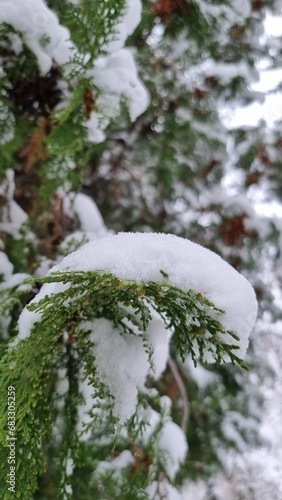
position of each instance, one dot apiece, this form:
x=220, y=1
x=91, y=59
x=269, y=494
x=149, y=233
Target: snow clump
x=116, y=76
x=141, y=257
x=41, y=30
x=122, y=362
x=121, y=358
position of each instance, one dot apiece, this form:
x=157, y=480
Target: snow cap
x=141, y=257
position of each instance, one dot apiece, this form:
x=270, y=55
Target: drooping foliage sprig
x=94, y=294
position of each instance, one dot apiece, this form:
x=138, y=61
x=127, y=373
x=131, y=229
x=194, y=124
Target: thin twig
x=158, y=490
x=182, y=389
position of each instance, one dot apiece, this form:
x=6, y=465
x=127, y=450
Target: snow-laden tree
x=122, y=361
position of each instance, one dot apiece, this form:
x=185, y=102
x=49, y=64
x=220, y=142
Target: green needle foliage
x=63, y=132
x=30, y=364
x=101, y=295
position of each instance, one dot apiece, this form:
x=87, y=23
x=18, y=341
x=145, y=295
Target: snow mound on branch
x=122, y=362
x=126, y=26
x=141, y=257
x=226, y=72
x=87, y=212
x=171, y=441
x=158, y=490
x=117, y=75
x=228, y=15
x=12, y=215
x=41, y=30
x=121, y=359
x=6, y=268
x=9, y=280
x=124, y=460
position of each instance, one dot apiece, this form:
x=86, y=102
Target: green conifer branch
x=101, y=294
x=92, y=26
x=29, y=365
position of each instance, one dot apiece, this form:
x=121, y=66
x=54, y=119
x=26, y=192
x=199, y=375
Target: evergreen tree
x=122, y=367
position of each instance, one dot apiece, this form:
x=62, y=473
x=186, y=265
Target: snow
x=124, y=460
x=196, y=490
x=122, y=362
x=140, y=257
x=94, y=126
x=87, y=391
x=159, y=339
x=171, y=442
x=69, y=466
x=8, y=118
x=253, y=474
x=71, y=243
x=127, y=24
x=242, y=7
x=9, y=280
x=6, y=268
x=120, y=358
x=277, y=6
x=27, y=319
x=12, y=215
x=44, y=265
x=13, y=218
x=236, y=13
x=202, y=377
x=233, y=434
x=16, y=280
x=87, y=212
x=62, y=382
x=226, y=72
x=217, y=132
x=41, y=30
x=116, y=75
x=162, y=490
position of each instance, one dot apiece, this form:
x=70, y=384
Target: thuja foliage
x=43, y=138
x=30, y=365
x=92, y=26
x=162, y=173
x=98, y=294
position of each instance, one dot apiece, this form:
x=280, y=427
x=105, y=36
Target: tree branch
x=182, y=389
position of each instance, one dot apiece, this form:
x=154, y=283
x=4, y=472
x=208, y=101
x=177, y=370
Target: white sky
x=271, y=109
